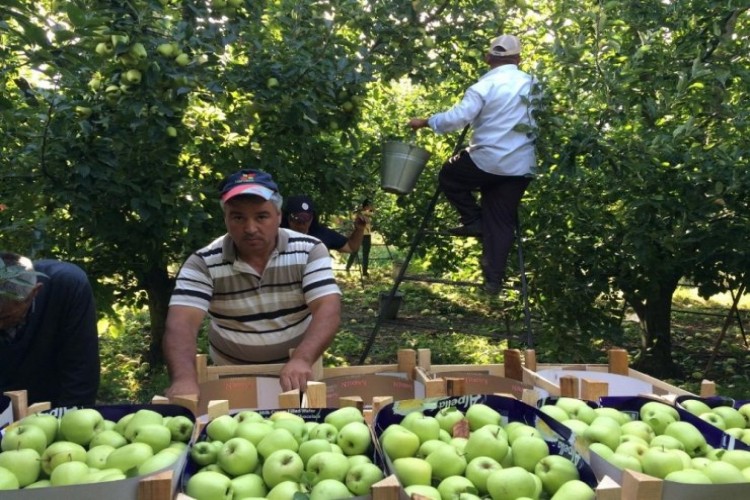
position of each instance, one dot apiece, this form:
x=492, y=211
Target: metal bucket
x=400, y=166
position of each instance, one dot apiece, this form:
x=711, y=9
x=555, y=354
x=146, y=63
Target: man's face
x=13, y=313
x=253, y=224
x=300, y=222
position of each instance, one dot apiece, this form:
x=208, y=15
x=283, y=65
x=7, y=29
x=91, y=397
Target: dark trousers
x=366, y=245
x=500, y=197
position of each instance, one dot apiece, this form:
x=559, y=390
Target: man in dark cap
x=300, y=216
x=500, y=159
x=266, y=290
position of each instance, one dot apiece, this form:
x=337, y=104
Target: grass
x=459, y=326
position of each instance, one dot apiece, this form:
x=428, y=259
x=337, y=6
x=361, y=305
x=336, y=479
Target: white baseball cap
x=505, y=45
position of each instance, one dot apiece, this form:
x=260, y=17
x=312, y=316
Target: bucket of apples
x=96, y=452
x=314, y=453
x=481, y=446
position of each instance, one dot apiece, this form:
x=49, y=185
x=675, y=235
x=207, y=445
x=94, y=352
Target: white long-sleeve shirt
x=494, y=106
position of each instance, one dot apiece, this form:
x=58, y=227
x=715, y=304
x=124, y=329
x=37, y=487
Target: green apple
x=665, y=441
x=271, y=83
x=659, y=420
x=659, y=462
x=329, y=489
x=123, y=422
x=96, y=456
x=80, y=425
x=127, y=458
x=360, y=478
x=161, y=460
x=577, y=426
x=237, y=456
x=181, y=428
x=738, y=458
x=454, y=486
x=511, y=483
x=285, y=490
x=555, y=412
x=282, y=465
x=342, y=416
x=249, y=485
x=632, y=448
x=604, y=430
x=104, y=475
x=132, y=76
x=324, y=431
x=254, y=431
x=720, y=472
x=479, y=469
x=448, y=417
x=638, y=428
x=248, y=416
x=602, y=450
x=480, y=414
x=519, y=430
x=8, y=480
x=277, y=439
x=731, y=416
x=60, y=452
x=327, y=465
x=42, y=483
x=651, y=407
x=222, y=428
x=423, y=491
x=69, y=473
x=358, y=459
x=109, y=437
x=424, y=426
x=446, y=461
x=209, y=486
x=204, y=453
x=528, y=451
x=412, y=471
x=446, y=436
x=631, y=438
x=695, y=406
x=157, y=436
x=282, y=414
x=713, y=419
x=104, y=48
x=25, y=463
x=577, y=409
x=554, y=471
x=182, y=59
x=745, y=412
x=623, y=461
x=614, y=413
x=398, y=442
x=575, y=490
x=45, y=421
x=689, y=476
x=355, y=438
x=693, y=440
x=166, y=49
x=311, y=447
x=19, y=437
x=428, y=447
x=487, y=441
x=296, y=427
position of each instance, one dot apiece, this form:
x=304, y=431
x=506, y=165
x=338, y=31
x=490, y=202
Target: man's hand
x=295, y=374
x=417, y=123
x=183, y=388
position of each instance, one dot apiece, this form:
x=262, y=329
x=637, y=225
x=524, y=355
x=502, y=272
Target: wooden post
x=355, y=401
x=638, y=486
x=316, y=395
x=407, y=361
x=217, y=408
x=37, y=407
x=19, y=401
x=156, y=487
x=618, y=361
x=201, y=367
x=317, y=369
x=188, y=401
x=434, y=388
x=592, y=390
x=290, y=399
x=455, y=386
x=608, y=489
x=530, y=397
x=379, y=402
x=513, y=367
x=568, y=386
x=529, y=356
x=424, y=359
x=708, y=389
x=386, y=489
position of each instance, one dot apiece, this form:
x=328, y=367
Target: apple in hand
x=237, y=456
x=25, y=463
x=23, y=436
x=354, y=438
x=282, y=465
x=360, y=478
x=209, y=486
x=412, y=471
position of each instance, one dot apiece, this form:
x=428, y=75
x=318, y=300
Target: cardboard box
x=559, y=438
x=641, y=486
x=160, y=485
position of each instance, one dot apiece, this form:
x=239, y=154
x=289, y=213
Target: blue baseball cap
x=248, y=181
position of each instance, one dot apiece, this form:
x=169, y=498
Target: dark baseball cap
x=300, y=208
x=248, y=181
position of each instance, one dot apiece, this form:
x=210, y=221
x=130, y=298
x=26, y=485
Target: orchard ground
x=460, y=326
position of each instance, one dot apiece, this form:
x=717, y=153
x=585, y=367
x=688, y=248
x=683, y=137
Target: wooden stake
x=618, y=361
x=592, y=390
x=708, y=389
x=188, y=401
x=19, y=401
x=569, y=386
x=513, y=367
x=290, y=399
x=407, y=361
x=355, y=401
x=455, y=386
x=638, y=486
x=316, y=395
x=434, y=388
x=608, y=489
x=529, y=356
x=386, y=489
x=156, y=487
x=217, y=408
x=424, y=359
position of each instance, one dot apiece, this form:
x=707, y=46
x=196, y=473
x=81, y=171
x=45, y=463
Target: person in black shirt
x=49, y=344
x=299, y=215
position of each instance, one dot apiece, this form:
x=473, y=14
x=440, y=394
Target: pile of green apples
x=733, y=421
x=281, y=456
x=474, y=454
x=658, y=443
x=81, y=446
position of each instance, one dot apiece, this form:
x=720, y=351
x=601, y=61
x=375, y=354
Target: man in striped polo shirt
x=265, y=289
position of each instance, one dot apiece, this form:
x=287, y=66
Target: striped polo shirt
x=256, y=318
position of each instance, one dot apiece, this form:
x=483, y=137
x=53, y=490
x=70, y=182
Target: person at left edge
x=49, y=345
x=265, y=289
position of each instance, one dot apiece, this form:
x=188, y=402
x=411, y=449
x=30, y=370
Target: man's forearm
x=321, y=331
x=179, y=352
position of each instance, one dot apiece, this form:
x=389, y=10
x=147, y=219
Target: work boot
x=491, y=287
x=468, y=230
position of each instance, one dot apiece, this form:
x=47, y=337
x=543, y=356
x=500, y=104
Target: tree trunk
x=655, y=314
x=158, y=286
